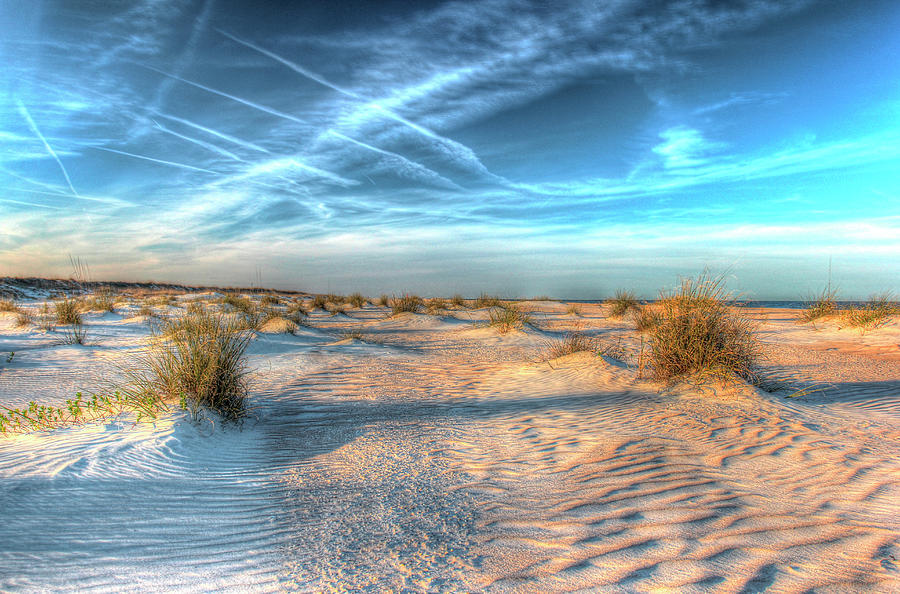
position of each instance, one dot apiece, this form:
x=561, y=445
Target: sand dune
x=438, y=455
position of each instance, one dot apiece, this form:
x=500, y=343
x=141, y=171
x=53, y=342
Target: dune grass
x=571, y=342
x=8, y=305
x=102, y=300
x=269, y=300
x=621, y=303
x=820, y=306
x=573, y=309
x=319, y=302
x=406, y=303
x=66, y=310
x=352, y=335
x=75, y=334
x=698, y=335
x=507, y=318
x=485, y=300
x=457, y=301
x=384, y=301
x=435, y=305
x=357, y=300
x=198, y=360
x=645, y=318
x=239, y=303
x=875, y=313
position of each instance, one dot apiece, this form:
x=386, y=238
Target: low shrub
x=356, y=300
x=485, y=300
x=621, y=303
x=820, y=306
x=698, y=334
x=435, y=305
x=645, y=318
x=406, y=303
x=507, y=318
x=571, y=342
x=66, y=309
x=875, y=313
x=198, y=360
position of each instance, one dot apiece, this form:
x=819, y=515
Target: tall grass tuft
x=507, y=318
x=485, y=300
x=66, y=309
x=319, y=301
x=573, y=309
x=457, y=301
x=820, y=306
x=621, y=303
x=645, y=318
x=875, y=313
x=572, y=342
x=197, y=360
x=8, y=305
x=102, y=300
x=384, y=301
x=435, y=305
x=356, y=300
x=239, y=303
x=406, y=303
x=76, y=334
x=699, y=335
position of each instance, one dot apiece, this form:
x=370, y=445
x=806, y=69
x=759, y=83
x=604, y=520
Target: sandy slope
x=437, y=455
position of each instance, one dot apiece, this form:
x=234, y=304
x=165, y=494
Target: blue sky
x=520, y=148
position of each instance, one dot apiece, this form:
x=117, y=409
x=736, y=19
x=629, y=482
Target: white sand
x=437, y=455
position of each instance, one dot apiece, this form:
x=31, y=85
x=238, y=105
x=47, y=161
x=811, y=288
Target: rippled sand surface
x=438, y=455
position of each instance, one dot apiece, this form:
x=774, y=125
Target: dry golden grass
x=875, y=313
x=406, y=303
x=698, y=335
x=621, y=303
x=507, y=318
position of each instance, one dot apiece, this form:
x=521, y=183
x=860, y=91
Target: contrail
x=262, y=108
x=206, y=145
x=179, y=165
x=293, y=66
x=221, y=135
x=270, y=167
x=456, y=150
x=11, y=201
x=416, y=167
x=24, y=111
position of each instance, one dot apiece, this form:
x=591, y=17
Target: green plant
x=621, y=303
x=406, y=303
x=199, y=359
x=66, y=309
x=507, y=317
x=876, y=312
x=698, y=334
x=820, y=306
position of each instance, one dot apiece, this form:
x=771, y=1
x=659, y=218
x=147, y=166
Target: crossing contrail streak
x=222, y=135
x=24, y=111
x=208, y=146
x=293, y=66
x=262, y=108
x=179, y=165
x=455, y=150
x=421, y=170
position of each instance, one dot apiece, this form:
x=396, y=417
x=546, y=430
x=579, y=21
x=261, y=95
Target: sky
x=566, y=149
